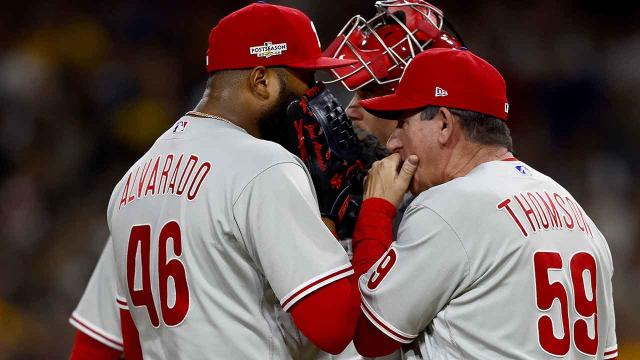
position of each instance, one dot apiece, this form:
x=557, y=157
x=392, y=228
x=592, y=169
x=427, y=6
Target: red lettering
x=172, y=183
x=528, y=212
x=576, y=212
x=132, y=193
x=553, y=211
x=143, y=177
x=541, y=214
x=193, y=159
x=581, y=216
x=191, y=194
x=505, y=205
x=123, y=199
x=560, y=202
x=164, y=176
x=151, y=185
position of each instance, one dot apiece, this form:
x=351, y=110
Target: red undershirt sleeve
x=87, y=348
x=328, y=316
x=371, y=240
x=130, y=338
x=324, y=316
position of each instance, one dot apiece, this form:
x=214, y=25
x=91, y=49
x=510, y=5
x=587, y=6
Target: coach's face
x=428, y=140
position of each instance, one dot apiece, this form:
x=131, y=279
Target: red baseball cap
x=267, y=35
x=446, y=77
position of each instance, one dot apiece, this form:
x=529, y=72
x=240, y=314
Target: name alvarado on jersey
x=138, y=185
x=541, y=212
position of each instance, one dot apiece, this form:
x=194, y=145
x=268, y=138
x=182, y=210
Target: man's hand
x=384, y=180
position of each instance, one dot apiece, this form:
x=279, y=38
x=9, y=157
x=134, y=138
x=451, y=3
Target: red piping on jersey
x=94, y=333
x=379, y=323
x=510, y=159
x=285, y=303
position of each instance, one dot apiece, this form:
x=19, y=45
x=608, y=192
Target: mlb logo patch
x=523, y=170
x=180, y=126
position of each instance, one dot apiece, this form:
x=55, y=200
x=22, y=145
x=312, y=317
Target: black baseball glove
x=320, y=133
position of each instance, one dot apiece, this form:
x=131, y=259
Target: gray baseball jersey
x=500, y=264
x=96, y=314
x=215, y=233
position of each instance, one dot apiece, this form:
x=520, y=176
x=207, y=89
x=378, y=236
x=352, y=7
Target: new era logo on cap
x=441, y=92
x=268, y=50
x=461, y=80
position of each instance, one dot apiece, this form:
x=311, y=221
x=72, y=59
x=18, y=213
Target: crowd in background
x=85, y=88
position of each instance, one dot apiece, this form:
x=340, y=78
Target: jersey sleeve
x=425, y=268
x=97, y=314
x=611, y=348
x=611, y=344
x=279, y=221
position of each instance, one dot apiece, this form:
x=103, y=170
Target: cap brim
x=321, y=63
x=390, y=106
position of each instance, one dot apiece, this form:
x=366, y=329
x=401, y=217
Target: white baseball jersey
x=96, y=314
x=215, y=233
x=500, y=264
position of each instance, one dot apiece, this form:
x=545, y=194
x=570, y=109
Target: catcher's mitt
x=322, y=136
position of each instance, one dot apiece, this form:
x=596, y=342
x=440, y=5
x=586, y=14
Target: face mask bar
x=360, y=30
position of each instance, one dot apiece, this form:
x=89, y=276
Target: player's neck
x=227, y=108
x=473, y=156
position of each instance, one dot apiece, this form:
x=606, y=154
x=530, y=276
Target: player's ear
x=262, y=82
x=446, y=124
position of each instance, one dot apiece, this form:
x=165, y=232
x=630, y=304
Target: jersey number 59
x=141, y=295
x=584, y=302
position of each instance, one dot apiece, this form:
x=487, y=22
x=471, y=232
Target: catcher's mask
x=385, y=44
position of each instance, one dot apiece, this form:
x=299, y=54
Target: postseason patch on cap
x=268, y=50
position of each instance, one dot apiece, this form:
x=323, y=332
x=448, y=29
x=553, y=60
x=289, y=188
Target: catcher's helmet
x=384, y=45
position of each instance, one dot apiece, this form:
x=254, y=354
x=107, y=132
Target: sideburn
x=272, y=123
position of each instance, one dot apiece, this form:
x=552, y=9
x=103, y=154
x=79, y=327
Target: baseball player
x=383, y=46
x=215, y=231
x=493, y=260
x=97, y=318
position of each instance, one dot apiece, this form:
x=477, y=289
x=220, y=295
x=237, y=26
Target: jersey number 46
x=584, y=302
x=141, y=295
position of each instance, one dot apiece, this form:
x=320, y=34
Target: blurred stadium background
x=85, y=87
